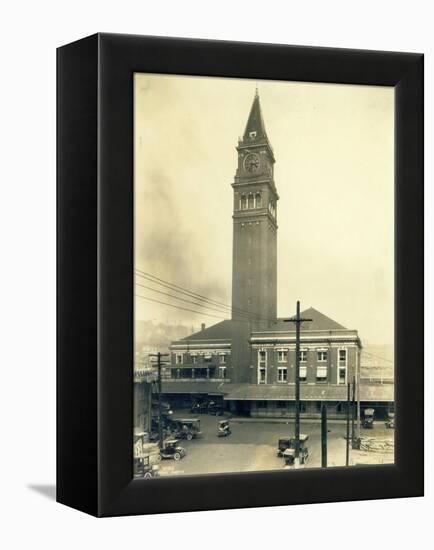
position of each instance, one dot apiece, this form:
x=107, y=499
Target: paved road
x=252, y=447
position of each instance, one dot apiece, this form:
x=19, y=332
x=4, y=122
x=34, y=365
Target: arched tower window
x=258, y=200
x=251, y=201
x=243, y=202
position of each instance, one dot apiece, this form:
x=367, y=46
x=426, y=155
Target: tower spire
x=255, y=127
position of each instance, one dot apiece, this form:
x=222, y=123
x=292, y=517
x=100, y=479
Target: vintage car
x=223, y=428
x=390, y=421
x=143, y=468
x=166, y=410
x=199, y=407
x=185, y=428
x=215, y=408
x=289, y=453
x=171, y=449
x=368, y=418
x=282, y=445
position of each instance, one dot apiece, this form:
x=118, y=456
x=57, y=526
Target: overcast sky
x=334, y=173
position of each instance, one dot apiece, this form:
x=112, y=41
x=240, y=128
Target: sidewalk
x=247, y=419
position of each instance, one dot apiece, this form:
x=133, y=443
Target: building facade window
x=282, y=355
x=179, y=359
x=321, y=355
x=303, y=374
x=282, y=374
x=243, y=202
x=222, y=359
x=258, y=200
x=194, y=359
x=342, y=366
x=303, y=355
x=281, y=404
x=207, y=358
x=262, y=367
x=222, y=372
x=321, y=374
x=342, y=357
x=251, y=201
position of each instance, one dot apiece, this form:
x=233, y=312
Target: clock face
x=251, y=162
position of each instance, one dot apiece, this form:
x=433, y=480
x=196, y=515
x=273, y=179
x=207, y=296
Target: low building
x=330, y=354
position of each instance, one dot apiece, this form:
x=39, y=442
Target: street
x=252, y=446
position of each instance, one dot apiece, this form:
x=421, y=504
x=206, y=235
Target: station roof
x=319, y=322
x=279, y=392
x=225, y=329
x=220, y=331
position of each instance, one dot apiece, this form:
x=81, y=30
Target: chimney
x=203, y=326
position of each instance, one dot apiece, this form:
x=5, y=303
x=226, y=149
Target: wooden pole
x=324, y=435
x=353, y=415
x=297, y=387
x=347, y=454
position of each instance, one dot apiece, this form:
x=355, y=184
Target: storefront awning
x=315, y=392
x=278, y=392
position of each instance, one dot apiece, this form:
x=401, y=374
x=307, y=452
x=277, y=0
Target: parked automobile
x=289, y=453
x=199, y=407
x=390, y=421
x=171, y=449
x=186, y=428
x=282, y=445
x=166, y=409
x=215, y=408
x=223, y=428
x=368, y=418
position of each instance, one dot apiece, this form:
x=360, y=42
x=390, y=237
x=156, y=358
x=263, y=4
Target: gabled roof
x=255, y=122
x=220, y=331
x=319, y=322
x=225, y=329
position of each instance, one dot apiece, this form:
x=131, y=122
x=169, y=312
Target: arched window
x=258, y=200
x=251, y=201
x=243, y=202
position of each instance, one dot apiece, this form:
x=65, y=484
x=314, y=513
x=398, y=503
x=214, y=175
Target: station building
x=248, y=362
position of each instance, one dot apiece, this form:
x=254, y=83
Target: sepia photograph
x=263, y=275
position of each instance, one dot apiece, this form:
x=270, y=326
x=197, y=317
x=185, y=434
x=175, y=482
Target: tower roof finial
x=255, y=124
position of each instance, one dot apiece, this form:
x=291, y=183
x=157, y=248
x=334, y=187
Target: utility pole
x=347, y=454
x=160, y=419
x=353, y=415
x=297, y=320
x=358, y=376
x=324, y=435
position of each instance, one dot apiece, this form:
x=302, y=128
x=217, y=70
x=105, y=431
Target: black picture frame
x=95, y=274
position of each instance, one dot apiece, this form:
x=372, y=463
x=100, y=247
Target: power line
x=195, y=295
x=189, y=293
x=184, y=308
x=178, y=307
x=181, y=299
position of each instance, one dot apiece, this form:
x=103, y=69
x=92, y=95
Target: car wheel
x=148, y=475
x=177, y=456
x=189, y=437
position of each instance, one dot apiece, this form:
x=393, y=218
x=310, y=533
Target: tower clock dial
x=251, y=162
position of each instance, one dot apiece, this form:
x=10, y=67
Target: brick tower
x=254, y=265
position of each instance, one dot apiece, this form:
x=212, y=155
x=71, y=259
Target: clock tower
x=254, y=265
